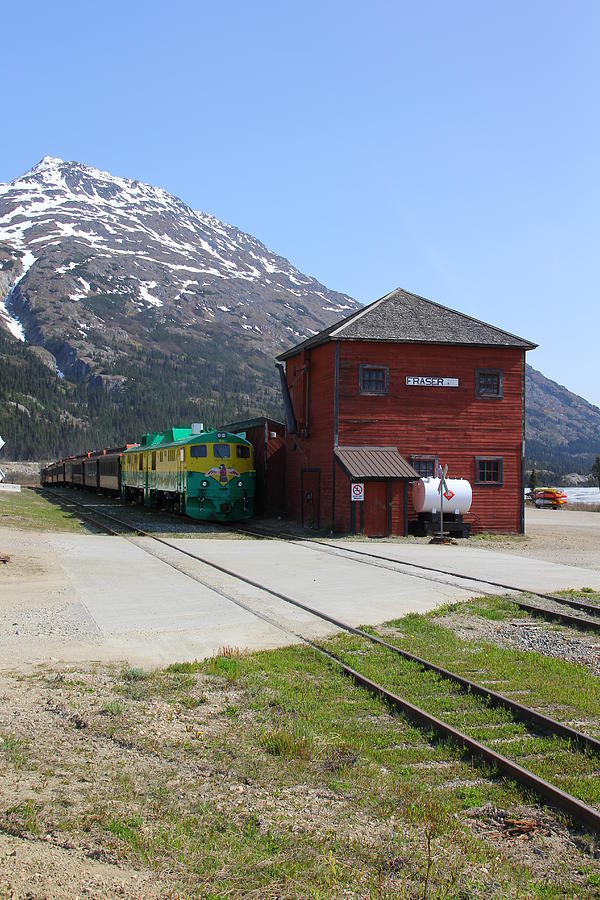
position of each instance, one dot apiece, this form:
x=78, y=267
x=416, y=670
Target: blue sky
x=448, y=148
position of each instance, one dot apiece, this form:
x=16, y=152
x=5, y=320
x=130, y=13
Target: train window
x=154, y=460
x=426, y=466
x=242, y=452
x=488, y=383
x=488, y=470
x=373, y=379
x=221, y=451
x=198, y=450
x=141, y=461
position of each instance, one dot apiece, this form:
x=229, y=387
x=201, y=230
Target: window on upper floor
x=488, y=384
x=426, y=466
x=488, y=470
x=373, y=379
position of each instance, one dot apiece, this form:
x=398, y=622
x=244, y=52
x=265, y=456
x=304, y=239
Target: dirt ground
x=570, y=537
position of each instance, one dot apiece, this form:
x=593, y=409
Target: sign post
x=444, y=492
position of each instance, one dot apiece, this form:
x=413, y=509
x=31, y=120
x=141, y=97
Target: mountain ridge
x=117, y=283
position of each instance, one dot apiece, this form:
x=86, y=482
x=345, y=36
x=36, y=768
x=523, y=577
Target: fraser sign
x=430, y=381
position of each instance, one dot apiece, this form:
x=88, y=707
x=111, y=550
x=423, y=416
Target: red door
x=311, y=513
x=376, y=509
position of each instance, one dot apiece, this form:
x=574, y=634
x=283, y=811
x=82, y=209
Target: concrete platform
x=92, y=597
x=7, y=488
x=521, y=572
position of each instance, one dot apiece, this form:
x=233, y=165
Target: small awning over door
x=370, y=463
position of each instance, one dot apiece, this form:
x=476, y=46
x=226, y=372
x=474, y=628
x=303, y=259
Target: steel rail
x=581, y=605
x=565, y=618
x=589, y=608
x=564, y=801
x=569, y=804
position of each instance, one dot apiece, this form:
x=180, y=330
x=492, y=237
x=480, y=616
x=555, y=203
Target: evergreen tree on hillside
x=533, y=479
x=596, y=470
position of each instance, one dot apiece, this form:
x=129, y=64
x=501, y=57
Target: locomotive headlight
x=205, y=484
x=240, y=483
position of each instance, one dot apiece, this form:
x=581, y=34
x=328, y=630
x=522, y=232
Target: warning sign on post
x=357, y=491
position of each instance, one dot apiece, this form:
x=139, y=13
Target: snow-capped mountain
x=95, y=268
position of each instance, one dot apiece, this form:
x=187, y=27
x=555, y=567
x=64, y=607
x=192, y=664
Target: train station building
x=380, y=399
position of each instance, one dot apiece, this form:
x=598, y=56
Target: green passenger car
x=206, y=474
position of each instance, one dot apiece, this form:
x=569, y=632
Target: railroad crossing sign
x=443, y=488
x=2, y=443
x=357, y=491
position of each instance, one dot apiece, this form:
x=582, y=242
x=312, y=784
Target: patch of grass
x=112, y=708
x=189, y=701
x=232, y=711
x=21, y=819
x=127, y=830
x=185, y=668
x=496, y=608
x=494, y=537
x=227, y=667
x=31, y=510
x=172, y=684
x=16, y=751
x=134, y=675
x=288, y=744
x=590, y=595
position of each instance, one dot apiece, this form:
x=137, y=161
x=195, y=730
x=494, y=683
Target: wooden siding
x=311, y=374
x=449, y=423
x=269, y=465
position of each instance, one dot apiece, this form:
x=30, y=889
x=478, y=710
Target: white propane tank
x=426, y=496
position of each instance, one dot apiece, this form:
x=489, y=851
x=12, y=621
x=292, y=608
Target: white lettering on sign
x=430, y=381
x=357, y=491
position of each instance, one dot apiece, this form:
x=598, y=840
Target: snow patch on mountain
x=7, y=316
x=138, y=265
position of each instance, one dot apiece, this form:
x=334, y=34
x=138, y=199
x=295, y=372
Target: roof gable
x=407, y=318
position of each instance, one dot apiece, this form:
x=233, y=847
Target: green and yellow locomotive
x=206, y=474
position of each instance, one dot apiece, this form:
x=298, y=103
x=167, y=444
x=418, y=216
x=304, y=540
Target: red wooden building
x=386, y=394
x=267, y=436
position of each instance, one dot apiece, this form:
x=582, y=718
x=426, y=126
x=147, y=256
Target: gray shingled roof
x=407, y=318
x=368, y=463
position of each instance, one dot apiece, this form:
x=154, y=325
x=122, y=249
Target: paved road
x=562, y=519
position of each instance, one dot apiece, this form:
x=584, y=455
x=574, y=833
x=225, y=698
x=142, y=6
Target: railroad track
x=566, y=740
x=377, y=559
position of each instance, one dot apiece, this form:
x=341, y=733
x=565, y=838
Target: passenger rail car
x=206, y=474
